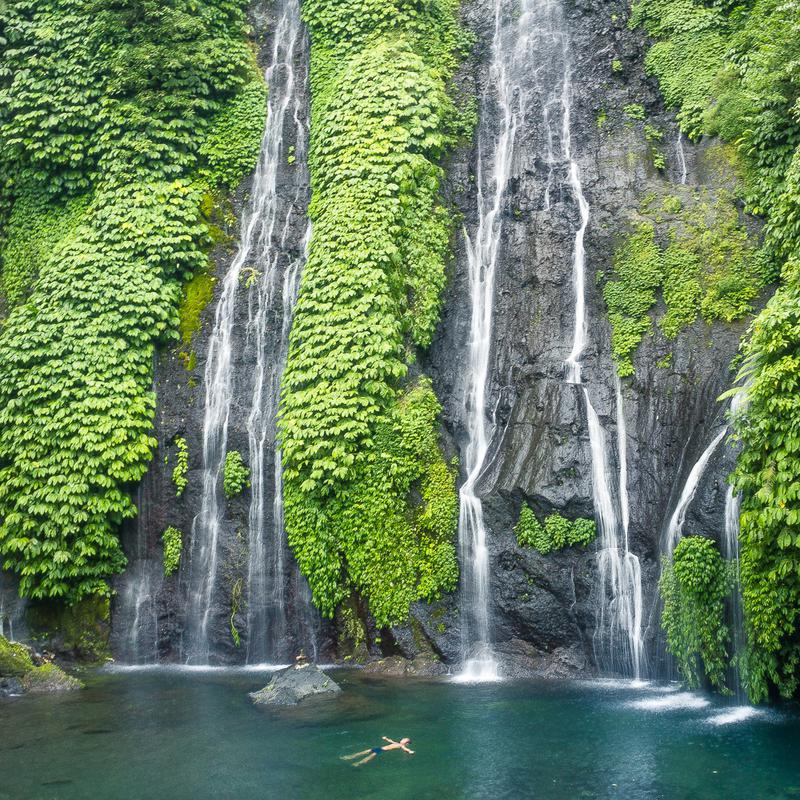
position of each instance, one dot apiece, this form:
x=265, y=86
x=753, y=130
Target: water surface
x=171, y=734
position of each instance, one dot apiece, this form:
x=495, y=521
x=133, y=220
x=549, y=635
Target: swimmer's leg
x=355, y=755
x=371, y=755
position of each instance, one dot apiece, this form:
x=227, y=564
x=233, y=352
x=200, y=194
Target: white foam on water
x=191, y=668
x=670, y=702
x=629, y=685
x=730, y=716
x=478, y=671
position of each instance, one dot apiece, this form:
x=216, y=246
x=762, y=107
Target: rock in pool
x=23, y=670
x=295, y=684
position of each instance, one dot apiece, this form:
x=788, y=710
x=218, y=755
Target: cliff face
x=543, y=607
x=540, y=452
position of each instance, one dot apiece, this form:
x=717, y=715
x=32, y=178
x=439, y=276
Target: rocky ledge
x=22, y=670
x=423, y=666
x=295, y=684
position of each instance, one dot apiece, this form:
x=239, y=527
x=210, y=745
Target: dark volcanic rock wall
x=541, y=447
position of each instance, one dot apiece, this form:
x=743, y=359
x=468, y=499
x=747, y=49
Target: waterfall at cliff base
x=517, y=56
x=269, y=275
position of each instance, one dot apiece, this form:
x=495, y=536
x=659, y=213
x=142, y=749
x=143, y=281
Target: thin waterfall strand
x=254, y=249
x=679, y=149
x=678, y=518
x=619, y=608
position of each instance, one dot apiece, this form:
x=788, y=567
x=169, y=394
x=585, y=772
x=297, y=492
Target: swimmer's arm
x=410, y=752
x=387, y=739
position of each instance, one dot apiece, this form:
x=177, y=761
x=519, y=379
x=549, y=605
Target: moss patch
x=693, y=251
x=15, y=661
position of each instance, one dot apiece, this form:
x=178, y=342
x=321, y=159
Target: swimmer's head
x=405, y=741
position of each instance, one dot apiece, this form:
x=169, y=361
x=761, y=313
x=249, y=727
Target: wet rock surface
x=423, y=666
x=294, y=685
x=540, y=445
x=11, y=687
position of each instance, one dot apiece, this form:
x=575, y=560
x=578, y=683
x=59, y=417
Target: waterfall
x=678, y=518
x=733, y=506
x=267, y=615
x=618, y=633
x=136, y=618
x=271, y=307
x=681, y=157
x=618, y=639
x=12, y=610
x=265, y=224
x=730, y=549
x=135, y=614
x=523, y=42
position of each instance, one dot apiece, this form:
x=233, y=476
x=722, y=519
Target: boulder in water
x=10, y=687
x=24, y=670
x=295, y=684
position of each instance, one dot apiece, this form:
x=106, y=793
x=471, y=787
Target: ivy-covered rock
x=355, y=441
x=15, y=659
x=21, y=670
x=115, y=121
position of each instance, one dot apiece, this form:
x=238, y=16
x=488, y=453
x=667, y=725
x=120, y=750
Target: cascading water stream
x=142, y=583
x=495, y=158
x=261, y=220
x=136, y=613
x=730, y=549
x=681, y=152
x=618, y=633
x=267, y=612
x=733, y=507
x=678, y=518
x=12, y=610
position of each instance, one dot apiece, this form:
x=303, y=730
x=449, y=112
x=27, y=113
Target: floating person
x=374, y=751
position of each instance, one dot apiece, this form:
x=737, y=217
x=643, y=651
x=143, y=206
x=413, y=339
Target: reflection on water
x=178, y=734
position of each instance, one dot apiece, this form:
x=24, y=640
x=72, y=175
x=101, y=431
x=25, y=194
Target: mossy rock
x=49, y=679
x=80, y=631
x=15, y=660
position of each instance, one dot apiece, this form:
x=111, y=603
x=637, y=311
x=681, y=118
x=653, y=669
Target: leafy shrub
x=172, y=540
x=181, y=469
x=357, y=446
x=370, y=538
x=555, y=534
x=634, y=111
x=694, y=588
x=236, y=475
